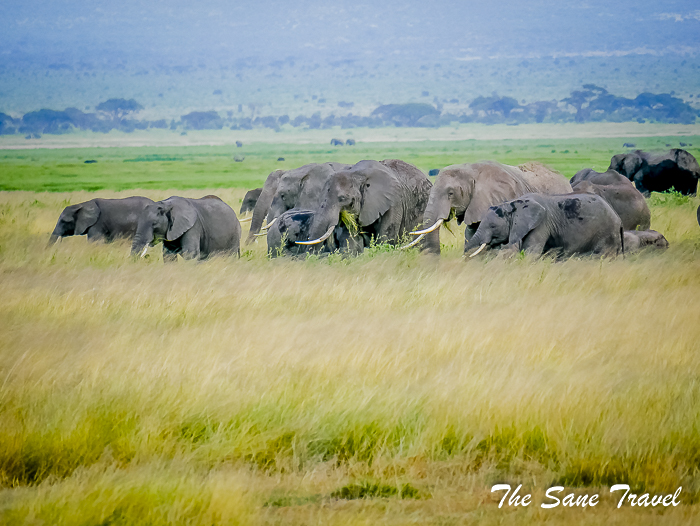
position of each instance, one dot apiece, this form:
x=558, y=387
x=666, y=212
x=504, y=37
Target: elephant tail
x=622, y=240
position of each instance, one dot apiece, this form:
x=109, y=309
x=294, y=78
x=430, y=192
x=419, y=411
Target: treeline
x=589, y=104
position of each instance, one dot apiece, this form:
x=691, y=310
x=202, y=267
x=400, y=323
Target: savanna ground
x=250, y=391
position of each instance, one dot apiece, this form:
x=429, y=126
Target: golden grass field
x=250, y=391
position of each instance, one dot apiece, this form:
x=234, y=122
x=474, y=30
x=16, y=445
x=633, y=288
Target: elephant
x=293, y=225
x=383, y=200
x=350, y=142
x=636, y=240
x=251, y=197
x=284, y=190
x=337, y=142
x=193, y=228
x=466, y=191
x=101, y=219
x=544, y=179
x=658, y=172
x=536, y=223
x=620, y=194
x=290, y=227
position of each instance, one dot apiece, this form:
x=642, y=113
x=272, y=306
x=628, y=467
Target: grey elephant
x=620, y=194
x=337, y=142
x=193, y=228
x=381, y=200
x=636, y=240
x=284, y=190
x=466, y=191
x=536, y=223
x=251, y=197
x=100, y=219
x=293, y=225
x=290, y=227
x=659, y=172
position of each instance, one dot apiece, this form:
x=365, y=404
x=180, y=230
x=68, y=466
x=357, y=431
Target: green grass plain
x=151, y=167
x=390, y=388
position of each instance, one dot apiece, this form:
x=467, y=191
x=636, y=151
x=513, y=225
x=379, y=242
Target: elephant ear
x=379, y=192
x=631, y=165
x=87, y=215
x=181, y=215
x=526, y=216
x=496, y=184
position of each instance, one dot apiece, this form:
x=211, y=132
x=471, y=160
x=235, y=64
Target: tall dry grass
x=251, y=390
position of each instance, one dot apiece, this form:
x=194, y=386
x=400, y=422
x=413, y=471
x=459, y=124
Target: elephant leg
x=534, y=243
x=190, y=246
x=94, y=235
x=169, y=255
x=639, y=184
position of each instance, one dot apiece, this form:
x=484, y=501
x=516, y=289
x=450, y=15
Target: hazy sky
x=215, y=31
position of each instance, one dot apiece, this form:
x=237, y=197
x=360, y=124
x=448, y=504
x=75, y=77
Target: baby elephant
x=290, y=227
x=193, y=228
x=536, y=223
x=100, y=219
x=636, y=240
x=293, y=225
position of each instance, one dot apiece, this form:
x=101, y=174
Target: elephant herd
x=327, y=207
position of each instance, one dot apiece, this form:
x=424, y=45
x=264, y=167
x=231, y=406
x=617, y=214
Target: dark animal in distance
x=628, y=145
x=90, y=161
x=239, y=144
x=659, y=172
x=280, y=159
x=101, y=219
x=350, y=142
x=337, y=142
x=434, y=172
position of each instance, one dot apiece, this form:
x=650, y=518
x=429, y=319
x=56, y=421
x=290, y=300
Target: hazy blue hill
x=277, y=57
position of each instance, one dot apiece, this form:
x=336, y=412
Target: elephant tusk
x=260, y=234
x=483, y=245
x=144, y=251
x=267, y=227
x=428, y=230
x=246, y=219
x=414, y=242
x=319, y=240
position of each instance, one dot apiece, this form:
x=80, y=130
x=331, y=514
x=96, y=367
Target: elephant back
x=544, y=180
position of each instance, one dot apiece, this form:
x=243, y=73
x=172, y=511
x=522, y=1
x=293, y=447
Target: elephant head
x=262, y=206
x=507, y=223
x=165, y=220
x=361, y=194
x=249, y=201
x=627, y=164
x=75, y=220
x=465, y=192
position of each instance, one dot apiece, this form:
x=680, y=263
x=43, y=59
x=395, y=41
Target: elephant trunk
x=326, y=218
x=476, y=241
x=142, y=238
x=435, y=211
x=261, y=210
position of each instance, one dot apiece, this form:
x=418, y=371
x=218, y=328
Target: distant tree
x=405, y=114
x=203, y=120
x=7, y=124
x=117, y=109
